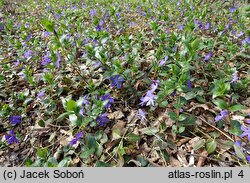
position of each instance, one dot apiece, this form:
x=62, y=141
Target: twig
x=216, y=129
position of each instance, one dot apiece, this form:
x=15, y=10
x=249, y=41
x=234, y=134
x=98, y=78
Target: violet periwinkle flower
x=198, y=23
x=116, y=80
x=246, y=40
x=148, y=99
x=103, y=119
x=189, y=84
x=14, y=120
x=11, y=137
x=108, y=98
x=28, y=37
x=28, y=54
x=246, y=132
x=207, y=26
x=46, y=60
x=208, y=56
x=41, y=94
x=92, y=12
x=181, y=27
x=77, y=137
x=141, y=115
x=235, y=78
x=233, y=9
x=57, y=16
x=221, y=116
x=154, y=85
x=58, y=60
x=47, y=34
x=162, y=62
x=240, y=34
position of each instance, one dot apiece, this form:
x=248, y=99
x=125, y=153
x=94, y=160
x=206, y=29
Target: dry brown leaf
x=174, y=162
x=116, y=115
x=201, y=160
x=132, y=118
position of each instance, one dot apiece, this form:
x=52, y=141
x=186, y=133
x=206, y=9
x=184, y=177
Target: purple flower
x=141, y=115
x=131, y=24
x=116, y=80
x=189, y=84
x=246, y=132
x=198, y=23
x=92, y=12
x=108, y=98
x=14, y=120
x=207, y=26
x=28, y=37
x=235, y=78
x=233, y=9
x=246, y=40
x=148, y=99
x=47, y=34
x=173, y=93
x=57, y=16
x=74, y=140
x=248, y=158
x=17, y=63
x=11, y=137
x=103, y=119
x=154, y=86
x=58, y=60
x=28, y=54
x=240, y=34
x=248, y=121
x=222, y=115
x=41, y=94
x=181, y=27
x=98, y=28
x=208, y=56
x=46, y=60
x=238, y=143
x=162, y=62
x=227, y=27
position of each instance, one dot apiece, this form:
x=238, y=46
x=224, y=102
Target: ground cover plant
x=124, y=83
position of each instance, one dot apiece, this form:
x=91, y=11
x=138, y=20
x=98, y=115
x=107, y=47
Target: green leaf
x=199, y=144
x=172, y=115
x=195, y=44
x=63, y=115
x=220, y=103
x=149, y=130
x=239, y=152
x=42, y=153
x=211, y=146
x=73, y=119
x=52, y=162
x=237, y=107
x=181, y=129
x=102, y=164
x=49, y=26
x=143, y=161
x=235, y=128
x=189, y=121
x=116, y=134
x=90, y=141
x=71, y=105
x=132, y=137
x=87, y=152
x=64, y=162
